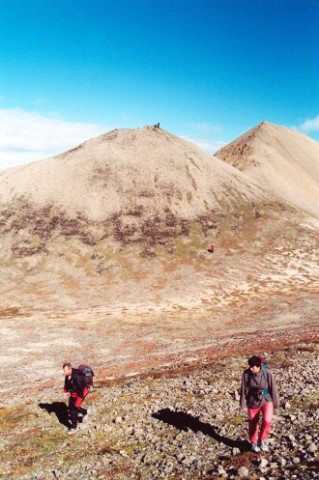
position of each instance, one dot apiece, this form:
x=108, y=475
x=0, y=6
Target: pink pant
x=78, y=399
x=254, y=414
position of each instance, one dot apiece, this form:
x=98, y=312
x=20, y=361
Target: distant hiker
x=258, y=396
x=77, y=384
x=211, y=248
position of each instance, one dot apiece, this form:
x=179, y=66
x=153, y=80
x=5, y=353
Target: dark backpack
x=87, y=374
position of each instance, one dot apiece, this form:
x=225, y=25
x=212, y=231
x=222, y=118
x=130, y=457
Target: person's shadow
x=184, y=421
x=59, y=409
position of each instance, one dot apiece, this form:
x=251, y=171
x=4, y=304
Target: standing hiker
x=77, y=384
x=258, y=397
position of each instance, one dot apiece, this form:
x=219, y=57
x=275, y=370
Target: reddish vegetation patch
x=12, y=312
x=255, y=343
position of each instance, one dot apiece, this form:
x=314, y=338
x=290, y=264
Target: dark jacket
x=257, y=389
x=76, y=383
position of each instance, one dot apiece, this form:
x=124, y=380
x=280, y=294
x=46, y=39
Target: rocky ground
x=178, y=426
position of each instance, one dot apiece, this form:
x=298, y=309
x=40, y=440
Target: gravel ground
x=187, y=426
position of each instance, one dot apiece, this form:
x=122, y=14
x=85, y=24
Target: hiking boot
x=264, y=447
x=255, y=448
x=84, y=419
x=72, y=428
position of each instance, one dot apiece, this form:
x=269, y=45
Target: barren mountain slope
x=147, y=169
x=282, y=160
x=117, y=208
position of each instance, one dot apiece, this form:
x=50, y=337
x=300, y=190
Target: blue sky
x=207, y=70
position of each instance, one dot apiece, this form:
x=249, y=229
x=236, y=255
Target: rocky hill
x=124, y=206
x=140, y=186
x=282, y=160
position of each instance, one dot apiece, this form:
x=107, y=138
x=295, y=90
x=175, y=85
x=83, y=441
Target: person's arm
x=273, y=390
x=243, y=392
x=66, y=389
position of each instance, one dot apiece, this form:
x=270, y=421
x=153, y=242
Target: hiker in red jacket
x=259, y=397
x=77, y=387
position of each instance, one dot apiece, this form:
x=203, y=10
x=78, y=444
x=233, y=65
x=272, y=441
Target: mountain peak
x=281, y=159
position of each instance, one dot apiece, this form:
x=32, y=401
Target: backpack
x=87, y=374
x=266, y=368
x=264, y=363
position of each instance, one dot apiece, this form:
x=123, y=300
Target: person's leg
x=80, y=411
x=267, y=413
x=79, y=401
x=73, y=412
x=253, y=416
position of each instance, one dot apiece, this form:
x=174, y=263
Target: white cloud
x=27, y=136
x=210, y=146
x=310, y=125
x=204, y=135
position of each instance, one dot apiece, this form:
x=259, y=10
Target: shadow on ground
x=59, y=409
x=184, y=421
